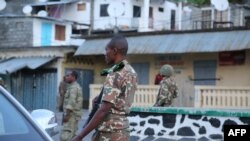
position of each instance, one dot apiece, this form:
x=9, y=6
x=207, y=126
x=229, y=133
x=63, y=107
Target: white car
x=47, y=120
x=17, y=124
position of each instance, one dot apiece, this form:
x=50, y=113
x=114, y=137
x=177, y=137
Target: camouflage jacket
x=73, y=99
x=119, y=89
x=167, y=92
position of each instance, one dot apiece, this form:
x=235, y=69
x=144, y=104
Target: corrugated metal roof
x=53, y=3
x=15, y=64
x=175, y=43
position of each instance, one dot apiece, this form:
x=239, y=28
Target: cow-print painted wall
x=146, y=126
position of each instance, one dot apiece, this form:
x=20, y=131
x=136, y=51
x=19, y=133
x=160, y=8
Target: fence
x=222, y=97
x=205, y=96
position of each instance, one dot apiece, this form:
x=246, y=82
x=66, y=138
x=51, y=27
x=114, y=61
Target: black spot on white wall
x=132, y=130
x=214, y=122
x=202, y=130
x=133, y=124
x=205, y=119
x=172, y=133
x=142, y=123
x=196, y=125
x=185, y=131
x=154, y=121
x=216, y=136
x=245, y=120
x=169, y=120
x=228, y=122
x=160, y=134
x=149, y=131
x=182, y=118
x=196, y=117
x=164, y=131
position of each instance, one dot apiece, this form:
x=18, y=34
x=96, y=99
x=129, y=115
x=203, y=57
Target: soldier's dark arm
x=95, y=121
x=67, y=115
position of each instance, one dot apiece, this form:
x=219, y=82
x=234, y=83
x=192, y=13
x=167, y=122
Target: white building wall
x=136, y=22
x=159, y=18
x=109, y=21
x=160, y=21
x=71, y=13
x=37, y=32
x=168, y=7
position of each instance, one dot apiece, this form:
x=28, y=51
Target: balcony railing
x=145, y=94
x=205, y=96
x=222, y=97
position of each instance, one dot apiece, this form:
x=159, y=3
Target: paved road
x=82, y=121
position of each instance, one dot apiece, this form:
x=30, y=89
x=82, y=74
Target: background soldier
x=168, y=87
x=110, y=119
x=72, y=107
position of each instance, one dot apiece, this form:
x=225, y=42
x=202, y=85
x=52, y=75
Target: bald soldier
x=168, y=88
x=110, y=120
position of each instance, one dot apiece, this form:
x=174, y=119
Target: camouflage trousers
x=69, y=129
x=120, y=135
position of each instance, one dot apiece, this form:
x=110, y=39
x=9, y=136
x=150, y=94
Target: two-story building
x=33, y=50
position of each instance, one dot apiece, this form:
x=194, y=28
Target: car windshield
x=13, y=124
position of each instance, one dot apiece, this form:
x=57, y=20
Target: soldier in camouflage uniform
x=168, y=87
x=72, y=107
x=110, y=120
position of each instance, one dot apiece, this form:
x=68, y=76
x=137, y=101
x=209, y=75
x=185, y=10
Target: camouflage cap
x=167, y=70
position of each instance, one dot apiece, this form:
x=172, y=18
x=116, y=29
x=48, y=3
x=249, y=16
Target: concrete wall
x=159, y=123
x=16, y=32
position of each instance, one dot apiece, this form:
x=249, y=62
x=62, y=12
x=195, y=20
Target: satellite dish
x=2, y=4
x=27, y=9
x=116, y=9
x=42, y=13
x=220, y=5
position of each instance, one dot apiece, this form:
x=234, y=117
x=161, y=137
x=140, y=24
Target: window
x=104, y=10
x=60, y=32
x=137, y=11
x=206, y=19
x=172, y=26
x=81, y=6
x=247, y=21
x=160, y=9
